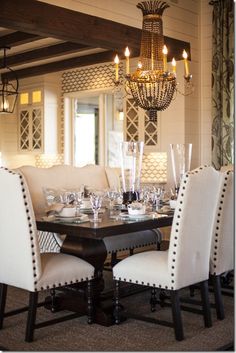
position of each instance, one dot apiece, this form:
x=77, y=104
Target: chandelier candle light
x=152, y=85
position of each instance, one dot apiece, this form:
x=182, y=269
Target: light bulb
x=140, y=65
x=165, y=50
x=127, y=52
x=5, y=105
x=116, y=60
x=185, y=55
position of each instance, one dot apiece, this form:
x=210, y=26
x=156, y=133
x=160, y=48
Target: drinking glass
x=96, y=203
x=79, y=196
x=131, y=154
x=181, y=159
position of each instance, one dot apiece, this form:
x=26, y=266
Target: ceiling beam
x=62, y=65
x=17, y=38
x=44, y=53
x=53, y=21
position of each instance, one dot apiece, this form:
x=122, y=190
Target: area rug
x=132, y=335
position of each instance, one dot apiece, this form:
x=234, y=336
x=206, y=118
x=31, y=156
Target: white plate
x=82, y=217
x=134, y=217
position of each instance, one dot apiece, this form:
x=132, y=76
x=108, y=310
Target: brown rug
x=132, y=335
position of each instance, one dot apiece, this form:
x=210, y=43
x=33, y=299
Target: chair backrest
x=61, y=176
x=191, y=233
x=222, y=249
x=226, y=168
x=20, y=263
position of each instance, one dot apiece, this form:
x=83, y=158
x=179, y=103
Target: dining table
x=85, y=239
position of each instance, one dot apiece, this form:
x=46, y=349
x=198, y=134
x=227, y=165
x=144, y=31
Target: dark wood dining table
x=86, y=240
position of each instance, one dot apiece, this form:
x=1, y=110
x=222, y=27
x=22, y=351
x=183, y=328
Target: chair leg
x=90, y=302
x=33, y=300
x=3, y=296
x=113, y=259
x=176, y=314
x=153, y=300
x=192, y=291
x=218, y=298
x=206, y=304
x=117, y=303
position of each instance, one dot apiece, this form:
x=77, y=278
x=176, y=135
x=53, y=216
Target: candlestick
x=185, y=56
x=165, y=52
x=116, y=61
x=127, y=55
x=173, y=65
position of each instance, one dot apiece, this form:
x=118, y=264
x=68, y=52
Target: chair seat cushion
x=132, y=240
x=60, y=269
x=148, y=268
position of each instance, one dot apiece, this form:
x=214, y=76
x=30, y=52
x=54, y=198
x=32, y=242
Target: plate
x=82, y=217
x=135, y=217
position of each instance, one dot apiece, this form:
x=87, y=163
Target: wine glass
x=96, y=199
x=112, y=195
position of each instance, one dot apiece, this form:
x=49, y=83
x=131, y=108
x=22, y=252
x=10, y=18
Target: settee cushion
x=61, y=176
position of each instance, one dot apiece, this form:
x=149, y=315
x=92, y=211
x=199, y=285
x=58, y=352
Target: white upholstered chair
x=21, y=264
x=222, y=250
x=186, y=262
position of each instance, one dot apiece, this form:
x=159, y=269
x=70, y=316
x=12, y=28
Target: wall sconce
x=8, y=90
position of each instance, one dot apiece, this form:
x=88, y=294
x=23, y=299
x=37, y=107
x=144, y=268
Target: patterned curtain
x=223, y=83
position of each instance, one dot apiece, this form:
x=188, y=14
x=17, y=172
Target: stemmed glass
x=112, y=195
x=79, y=196
x=96, y=199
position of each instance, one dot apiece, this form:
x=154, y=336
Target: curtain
x=223, y=83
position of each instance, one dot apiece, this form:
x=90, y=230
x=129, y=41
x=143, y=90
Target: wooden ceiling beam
x=62, y=65
x=17, y=38
x=53, y=21
x=44, y=53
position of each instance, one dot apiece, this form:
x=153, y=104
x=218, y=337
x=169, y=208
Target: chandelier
x=152, y=85
x=8, y=90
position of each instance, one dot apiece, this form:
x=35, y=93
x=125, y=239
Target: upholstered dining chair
x=21, y=264
x=222, y=250
x=186, y=262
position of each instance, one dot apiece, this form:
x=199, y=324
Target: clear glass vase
x=131, y=166
x=181, y=155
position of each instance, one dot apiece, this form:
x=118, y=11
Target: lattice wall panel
x=132, y=120
x=93, y=77
x=24, y=130
x=150, y=132
x=154, y=167
x=46, y=161
x=36, y=129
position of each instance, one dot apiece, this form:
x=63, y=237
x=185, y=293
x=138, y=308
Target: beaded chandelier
x=152, y=85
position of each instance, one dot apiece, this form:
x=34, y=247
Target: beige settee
x=97, y=177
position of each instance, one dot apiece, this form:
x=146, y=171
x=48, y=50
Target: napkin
x=54, y=209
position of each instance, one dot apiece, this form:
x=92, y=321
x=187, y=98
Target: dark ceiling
x=45, y=38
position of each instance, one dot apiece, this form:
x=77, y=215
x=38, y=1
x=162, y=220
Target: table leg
x=94, y=252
